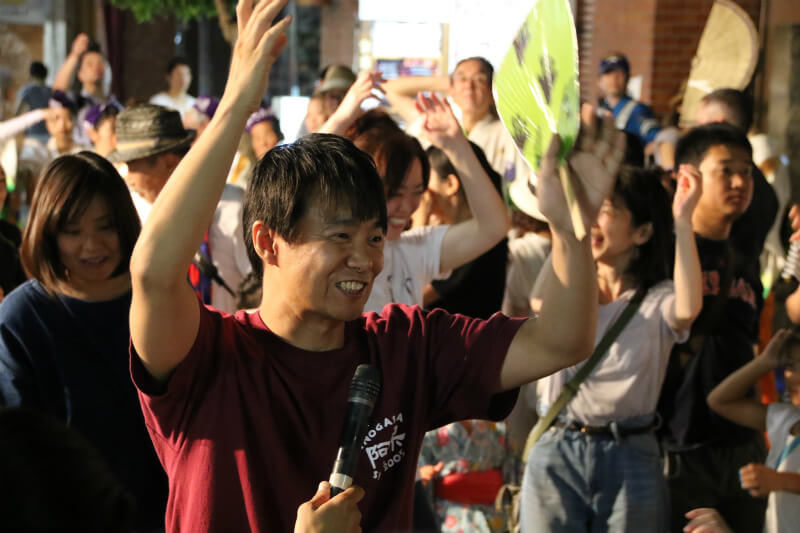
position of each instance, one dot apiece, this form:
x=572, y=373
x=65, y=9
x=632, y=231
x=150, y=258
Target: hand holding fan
x=537, y=94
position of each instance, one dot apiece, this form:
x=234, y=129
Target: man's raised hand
x=592, y=171
x=259, y=44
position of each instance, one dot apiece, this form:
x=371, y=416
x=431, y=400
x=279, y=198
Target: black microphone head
x=366, y=385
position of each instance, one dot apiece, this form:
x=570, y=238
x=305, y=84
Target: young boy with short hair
x=704, y=448
x=779, y=477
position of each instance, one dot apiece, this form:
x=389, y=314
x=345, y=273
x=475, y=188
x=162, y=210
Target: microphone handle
x=355, y=427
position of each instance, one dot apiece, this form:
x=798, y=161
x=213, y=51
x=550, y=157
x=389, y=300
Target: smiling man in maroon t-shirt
x=245, y=411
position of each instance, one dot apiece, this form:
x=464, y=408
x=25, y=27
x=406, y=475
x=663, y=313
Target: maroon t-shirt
x=248, y=425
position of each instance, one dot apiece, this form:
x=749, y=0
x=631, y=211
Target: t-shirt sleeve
x=465, y=356
x=780, y=418
x=18, y=383
x=429, y=252
x=170, y=405
x=666, y=294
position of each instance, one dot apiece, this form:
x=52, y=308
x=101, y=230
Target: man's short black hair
x=320, y=168
x=176, y=62
x=736, y=105
x=694, y=144
x=38, y=70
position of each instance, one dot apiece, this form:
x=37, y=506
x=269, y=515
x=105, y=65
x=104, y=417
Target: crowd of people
x=185, y=299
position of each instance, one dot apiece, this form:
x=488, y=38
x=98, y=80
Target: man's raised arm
x=564, y=332
x=165, y=311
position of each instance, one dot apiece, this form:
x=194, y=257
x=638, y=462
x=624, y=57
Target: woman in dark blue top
x=64, y=334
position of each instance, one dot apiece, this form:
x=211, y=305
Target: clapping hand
x=687, y=195
x=79, y=45
x=440, y=124
x=592, y=169
x=360, y=91
x=259, y=44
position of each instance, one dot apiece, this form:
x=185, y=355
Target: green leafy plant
x=145, y=10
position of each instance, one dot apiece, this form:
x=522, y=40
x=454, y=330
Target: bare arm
x=793, y=301
x=466, y=240
x=688, y=275
x=64, y=75
x=350, y=107
x=729, y=397
x=564, y=332
x=164, y=310
x=402, y=92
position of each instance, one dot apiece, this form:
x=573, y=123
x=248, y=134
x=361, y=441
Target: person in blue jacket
x=629, y=114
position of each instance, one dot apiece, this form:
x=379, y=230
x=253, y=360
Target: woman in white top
x=598, y=467
x=414, y=258
x=179, y=78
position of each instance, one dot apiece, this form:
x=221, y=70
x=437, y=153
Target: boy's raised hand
x=259, y=44
x=775, y=352
x=687, y=194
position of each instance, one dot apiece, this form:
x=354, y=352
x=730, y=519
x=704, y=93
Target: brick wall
x=338, y=33
x=659, y=37
x=606, y=26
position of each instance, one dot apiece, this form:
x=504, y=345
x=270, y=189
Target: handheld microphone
x=364, y=391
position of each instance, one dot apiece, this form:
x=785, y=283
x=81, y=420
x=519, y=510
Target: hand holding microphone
x=323, y=514
x=364, y=390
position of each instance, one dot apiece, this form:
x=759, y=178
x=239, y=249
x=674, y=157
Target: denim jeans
x=577, y=482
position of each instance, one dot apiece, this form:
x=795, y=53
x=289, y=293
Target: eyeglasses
x=480, y=79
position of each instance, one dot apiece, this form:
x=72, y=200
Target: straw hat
x=144, y=130
x=726, y=56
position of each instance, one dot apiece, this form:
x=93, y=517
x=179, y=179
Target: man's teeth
x=351, y=286
x=397, y=221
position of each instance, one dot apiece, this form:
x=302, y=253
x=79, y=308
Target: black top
x=476, y=288
x=11, y=272
x=721, y=342
x=69, y=358
x=750, y=230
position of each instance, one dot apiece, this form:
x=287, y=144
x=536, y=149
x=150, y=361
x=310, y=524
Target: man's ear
x=643, y=233
x=264, y=242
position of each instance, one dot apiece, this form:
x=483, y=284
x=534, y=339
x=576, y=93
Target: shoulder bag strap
x=571, y=387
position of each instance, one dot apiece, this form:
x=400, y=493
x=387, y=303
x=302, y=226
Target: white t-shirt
x=227, y=247
x=783, y=507
x=627, y=380
x=527, y=255
x=181, y=105
x=226, y=241
x=410, y=262
x=501, y=152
